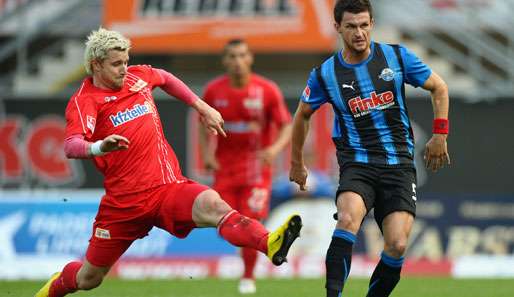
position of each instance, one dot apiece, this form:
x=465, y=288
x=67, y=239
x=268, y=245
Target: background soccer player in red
x=258, y=127
x=113, y=120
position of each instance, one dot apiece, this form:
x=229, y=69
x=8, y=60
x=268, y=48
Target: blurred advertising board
x=204, y=26
x=41, y=231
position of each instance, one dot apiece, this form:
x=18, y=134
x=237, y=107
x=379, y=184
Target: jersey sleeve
x=150, y=74
x=80, y=117
x=313, y=93
x=279, y=112
x=416, y=72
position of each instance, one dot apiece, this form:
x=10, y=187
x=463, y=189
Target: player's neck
x=239, y=81
x=353, y=57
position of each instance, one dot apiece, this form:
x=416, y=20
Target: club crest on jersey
x=387, y=74
x=91, y=123
x=306, y=93
x=129, y=114
x=138, y=86
x=362, y=106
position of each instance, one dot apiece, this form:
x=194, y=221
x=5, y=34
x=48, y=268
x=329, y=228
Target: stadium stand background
x=465, y=212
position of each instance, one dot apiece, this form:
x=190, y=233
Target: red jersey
x=251, y=115
x=130, y=112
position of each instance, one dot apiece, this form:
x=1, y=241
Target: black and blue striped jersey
x=371, y=123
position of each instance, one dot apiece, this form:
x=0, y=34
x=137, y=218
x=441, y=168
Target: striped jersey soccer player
x=253, y=109
x=113, y=120
x=364, y=83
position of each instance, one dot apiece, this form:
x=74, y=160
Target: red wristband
x=441, y=126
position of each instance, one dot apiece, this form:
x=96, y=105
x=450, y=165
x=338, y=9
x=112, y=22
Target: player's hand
x=210, y=163
x=436, y=152
x=298, y=174
x=213, y=121
x=267, y=156
x=113, y=143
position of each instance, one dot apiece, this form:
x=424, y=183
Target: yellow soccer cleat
x=280, y=240
x=45, y=290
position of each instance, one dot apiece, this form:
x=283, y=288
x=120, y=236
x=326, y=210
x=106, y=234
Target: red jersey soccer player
x=113, y=120
x=253, y=109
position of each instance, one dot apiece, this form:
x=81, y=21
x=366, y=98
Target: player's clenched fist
x=298, y=174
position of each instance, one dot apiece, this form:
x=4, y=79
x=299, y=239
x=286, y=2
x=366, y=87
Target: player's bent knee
x=209, y=208
x=397, y=247
x=346, y=222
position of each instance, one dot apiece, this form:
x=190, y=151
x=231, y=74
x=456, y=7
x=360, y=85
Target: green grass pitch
x=408, y=287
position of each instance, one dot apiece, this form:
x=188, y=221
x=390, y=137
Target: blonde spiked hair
x=99, y=43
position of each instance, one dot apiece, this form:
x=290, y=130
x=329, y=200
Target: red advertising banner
x=204, y=26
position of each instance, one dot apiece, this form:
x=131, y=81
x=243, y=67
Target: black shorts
x=383, y=189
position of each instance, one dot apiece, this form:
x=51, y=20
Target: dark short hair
x=233, y=42
x=353, y=6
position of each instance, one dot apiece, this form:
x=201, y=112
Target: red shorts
x=252, y=200
x=122, y=219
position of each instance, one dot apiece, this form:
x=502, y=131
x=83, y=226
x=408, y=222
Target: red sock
x=249, y=259
x=243, y=231
x=67, y=281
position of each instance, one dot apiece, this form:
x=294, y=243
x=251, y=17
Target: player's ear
x=337, y=27
x=95, y=65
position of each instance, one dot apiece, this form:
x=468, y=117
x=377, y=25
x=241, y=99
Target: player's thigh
x=255, y=201
x=355, y=195
x=396, y=193
x=183, y=207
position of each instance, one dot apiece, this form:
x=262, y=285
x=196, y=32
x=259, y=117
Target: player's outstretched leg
x=61, y=283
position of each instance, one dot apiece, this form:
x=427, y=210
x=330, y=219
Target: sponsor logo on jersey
x=349, y=86
x=138, y=86
x=91, y=123
x=387, y=74
x=102, y=233
x=252, y=103
x=110, y=98
x=306, y=93
x=220, y=103
x=129, y=114
x=362, y=106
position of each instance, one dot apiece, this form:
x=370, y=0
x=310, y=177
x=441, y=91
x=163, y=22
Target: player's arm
x=210, y=117
x=206, y=149
x=436, y=150
x=76, y=147
x=283, y=138
x=279, y=116
x=300, y=129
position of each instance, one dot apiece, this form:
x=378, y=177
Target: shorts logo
x=387, y=74
x=414, y=192
x=129, y=114
x=138, y=86
x=102, y=233
x=362, y=106
x=91, y=123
